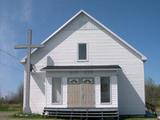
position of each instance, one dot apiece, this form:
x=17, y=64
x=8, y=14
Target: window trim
x=61, y=101
x=82, y=60
x=110, y=94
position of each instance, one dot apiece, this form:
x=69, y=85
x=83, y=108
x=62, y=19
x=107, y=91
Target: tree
x=17, y=97
x=152, y=91
x=0, y=92
x=20, y=94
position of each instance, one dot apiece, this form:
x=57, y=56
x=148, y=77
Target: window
x=56, y=90
x=105, y=89
x=82, y=51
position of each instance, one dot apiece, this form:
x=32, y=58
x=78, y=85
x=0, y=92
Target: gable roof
x=142, y=57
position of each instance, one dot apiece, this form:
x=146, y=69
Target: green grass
x=140, y=119
x=13, y=116
x=8, y=115
x=12, y=112
x=23, y=115
x=10, y=107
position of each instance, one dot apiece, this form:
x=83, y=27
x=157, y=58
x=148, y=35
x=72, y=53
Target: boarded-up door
x=74, y=95
x=88, y=93
x=81, y=92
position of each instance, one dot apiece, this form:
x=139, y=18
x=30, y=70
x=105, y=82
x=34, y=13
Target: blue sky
x=136, y=21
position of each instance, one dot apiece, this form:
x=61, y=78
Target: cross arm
x=24, y=46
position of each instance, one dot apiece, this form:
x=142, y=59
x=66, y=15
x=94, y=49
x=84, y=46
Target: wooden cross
x=29, y=47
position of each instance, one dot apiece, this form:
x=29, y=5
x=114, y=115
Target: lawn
x=10, y=107
x=8, y=115
x=140, y=119
x=8, y=112
x=5, y=115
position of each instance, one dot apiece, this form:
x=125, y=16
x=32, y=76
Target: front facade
x=85, y=65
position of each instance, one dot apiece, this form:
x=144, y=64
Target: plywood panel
x=74, y=93
x=88, y=94
x=81, y=93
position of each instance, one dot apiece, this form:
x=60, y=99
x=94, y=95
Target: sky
x=136, y=21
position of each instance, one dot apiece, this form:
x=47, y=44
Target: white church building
x=85, y=69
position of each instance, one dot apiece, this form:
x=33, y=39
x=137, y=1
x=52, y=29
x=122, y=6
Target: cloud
x=10, y=69
x=7, y=35
x=27, y=10
x=8, y=30
x=7, y=42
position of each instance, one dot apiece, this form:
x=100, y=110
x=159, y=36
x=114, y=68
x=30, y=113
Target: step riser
x=82, y=113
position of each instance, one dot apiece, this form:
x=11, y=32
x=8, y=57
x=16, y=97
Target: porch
x=82, y=92
x=82, y=112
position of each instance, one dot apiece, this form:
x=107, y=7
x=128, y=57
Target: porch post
x=97, y=91
x=115, y=88
x=64, y=91
x=48, y=91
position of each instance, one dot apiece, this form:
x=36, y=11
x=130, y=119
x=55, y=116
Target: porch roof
x=81, y=68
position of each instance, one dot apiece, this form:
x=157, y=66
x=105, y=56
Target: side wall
x=103, y=49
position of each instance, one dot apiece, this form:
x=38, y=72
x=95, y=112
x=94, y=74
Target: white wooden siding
x=37, y=92
x=103, y=50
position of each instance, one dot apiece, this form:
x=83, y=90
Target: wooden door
x=81, y=92
x=88, y=92
x=74, y=92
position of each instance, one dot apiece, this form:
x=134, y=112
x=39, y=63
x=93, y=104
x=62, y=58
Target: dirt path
x=5, y=115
